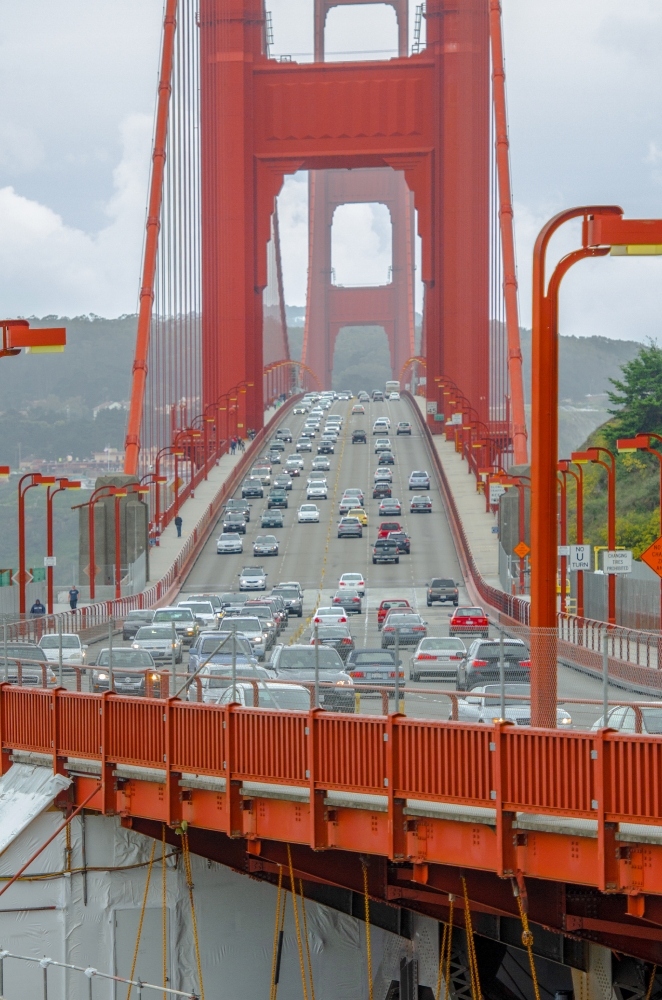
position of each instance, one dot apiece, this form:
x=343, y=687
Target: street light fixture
x=593, y=455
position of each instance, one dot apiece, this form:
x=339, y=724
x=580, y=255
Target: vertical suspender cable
x=507, y=238
x=151, y=244
x=164, y=911
x=366, y=906
x=305, y=937
x=297, y=924
x=142, y=917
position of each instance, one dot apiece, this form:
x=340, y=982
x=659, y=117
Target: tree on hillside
x=638, y=395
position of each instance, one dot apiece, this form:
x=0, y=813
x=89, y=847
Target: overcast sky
x=78, y=81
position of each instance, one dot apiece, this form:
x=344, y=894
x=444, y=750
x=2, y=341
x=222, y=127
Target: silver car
x=252, y=578
x=303, y=444
x=251, y=628
x=419, y=481
x=265, y=545
x=204, y=612
x=484, y=705
x=437, y=657
x=159, y=642
x=229, y=542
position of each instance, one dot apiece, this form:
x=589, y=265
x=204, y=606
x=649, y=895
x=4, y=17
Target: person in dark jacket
x=178, y=525
x=37, y=609
x=74, y=594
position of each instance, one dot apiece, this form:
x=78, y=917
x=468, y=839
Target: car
x=410, y=628
x=484, y=705
x=337, y=636
x=130, y=670
x=325, y=447
x=349, y=527
x=274, y=457
x=390, y=505
x=309, y=431
x=231, y=600
x=383, y=475
x=346, y=504
x=360, y=513
x=381, y=425
x=385, y=550
x=372, y=669
x=392, y=602
x=345, y=394
x=386, y=458
x=329, y=616
x=317, y=490
x=252, y=578
x=386, y=527
x=420, y=505
x=359, y=436
x=229, y=542
x=292, y=598
x=632, y=719
x=278, y=443
x=284, y=434
x=252, y=488
x=295, y=460
x=185, y=624
x=321, y=464
x=482, y=664
x=363, y=396
x=249, y=626
x=299, y=408
x=212, y=599
x=204, y=612
x=292, y=468
x=283, y=481
x=358, y=408
x=265, y=545
x=135, y=620
x=297, y=663
x=419, y=480
x=239, y=505
x=159, y=642
x=308, y=512
x=27, y=665
x=402, y=540
x=268, y=621
x=469, y=621
x=377, y=396
x=442, y=590
x=348, y=599
x=352, y=581
x=437, y=657
x=272, y=518
x=267, y=695
x=382, y=444
x=274, y=604
x=381, y=489
x=316, y=477
x=73, y=650
x=357, y=494
x=263, y=473
x=234, y=521
x=277, y=498
x=211, y=647
x=331, y=433
x=404, y=427
x=303, y=444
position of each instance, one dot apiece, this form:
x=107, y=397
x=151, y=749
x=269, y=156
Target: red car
x=469, y=621
x=386, y=606
x=387, y=526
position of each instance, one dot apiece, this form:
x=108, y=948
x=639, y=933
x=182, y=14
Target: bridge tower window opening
x=361, y=245
x=360, y=32
x=361, y=358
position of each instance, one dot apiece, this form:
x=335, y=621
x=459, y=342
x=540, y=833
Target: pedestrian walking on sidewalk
x=178, y=525
x=73, y=597
x=240, y=444
x=233, y=445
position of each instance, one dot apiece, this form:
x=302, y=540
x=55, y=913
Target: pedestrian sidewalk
x=476, y=521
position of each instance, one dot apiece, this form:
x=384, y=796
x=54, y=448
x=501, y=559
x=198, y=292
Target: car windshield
x=145, y=616
x=242, y=624
x=333, y=631
x=285, y=591
x=261, y=612
x=419, y=475
x=469, y=613
x=441, y=644
x=308, y=507
x=376, y=657
x=210, y=644
x=303, y=658
x=348, y=577
x=176, y=615
x=232, y=516
x=395, y=604
x=25, y=651
x=516, y=650
x=231, y=598
x=397, y=619
x=53, y=642
x=151, y=632
x=652, y=720
x=252, y=571
x=200, y=609
x=230, y=536
x=222, y=675
x=125, y=658
x=265, y=540
x=510, y=689
x=333, y=612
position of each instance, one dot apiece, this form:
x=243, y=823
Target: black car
x=272, y=518
x=135, y=620
x=350, y=527
x=371, y=669
x=348, y=599
x=234, y=521
x=386, y=458
x=252, y=488
x=402, y=540
x=283, y=481
x=265, y=545
x=442, y=590
x=420, y=505
x=325, y=448
x=385, y=550
x=404, y=427
x=337, y=636
x=359, y=437
x=292, y=598
x=277, y=498
x=241, y=506
x=381, y=490
x=482, y=665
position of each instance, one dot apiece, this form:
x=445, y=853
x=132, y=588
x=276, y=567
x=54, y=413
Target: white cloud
x=49, y=267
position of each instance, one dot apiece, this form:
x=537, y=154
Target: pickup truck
x=385, y=550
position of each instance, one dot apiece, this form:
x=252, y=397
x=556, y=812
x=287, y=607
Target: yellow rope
x=366, y=903
x=164, y=916
x=142, y=917
x=296, y=923
x=274, y=986
x=68, y=846
x=471, y=947
x=442, y=955
x=527, y=941
x=305, y=937
x=650, y=984
x=189, y=882
x=451, y=901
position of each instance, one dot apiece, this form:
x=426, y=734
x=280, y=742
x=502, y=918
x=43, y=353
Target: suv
x=297, y=663
x=359, y=436
x=385, y=550
x=377, y=396
x=292, y=598
x=277, y=498
x=252, y=488
x=404, y=427
x=402, y=540
x=272, y=519
x=482, y=665
x=442, y=591
x=241, y=506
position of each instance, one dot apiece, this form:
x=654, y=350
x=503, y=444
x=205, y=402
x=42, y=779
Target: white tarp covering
x=25, y=791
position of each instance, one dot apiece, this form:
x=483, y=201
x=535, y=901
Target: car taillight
x=418, y=628
x=426, y=656
x=479, y=663
x=455, y=657
x=389, y=628
x=525, y=663
x=357, y=673
x=355, y=600
x=347, y=642
x=317, y=620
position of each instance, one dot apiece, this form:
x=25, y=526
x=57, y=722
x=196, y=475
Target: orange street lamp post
x=642, y=442
x=564, y=468
x=26, y=483
x=593, y=455
x=59, y=487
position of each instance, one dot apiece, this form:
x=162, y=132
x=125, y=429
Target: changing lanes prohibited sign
x=618, y=561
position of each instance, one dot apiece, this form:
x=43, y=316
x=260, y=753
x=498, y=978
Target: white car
x=381, y=425
x=476, y=707
x=352, y=581
x=308, y=512
x=204, y=611
x=73, y=650
x=279, y=697
x=383, y=444
x=383, y=475
x=300, y=408
x=330, y=616
x=317, y=490
x=159, y=642
x=321, y=464
x=394, y=396
x=295, y=460
x=315, y=477
x=229, y=542
x=437, y=657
